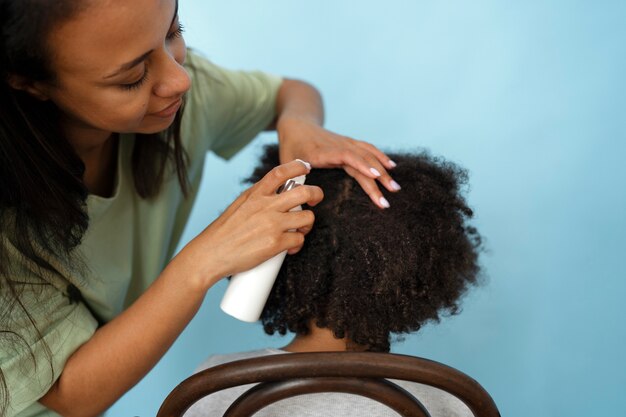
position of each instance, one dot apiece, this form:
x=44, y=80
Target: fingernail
x=395, y=185
x=383, y=202
x=375, y=172
x=392, y=164
x=306, y=164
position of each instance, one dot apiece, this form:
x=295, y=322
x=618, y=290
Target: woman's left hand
x=304, y=139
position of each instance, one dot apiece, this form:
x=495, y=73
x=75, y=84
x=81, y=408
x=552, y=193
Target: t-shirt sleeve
x=226, y=109
x=32, y=360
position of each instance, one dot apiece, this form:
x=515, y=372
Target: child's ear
x=34, y=88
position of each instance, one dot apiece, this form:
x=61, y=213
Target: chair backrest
x=360, y=373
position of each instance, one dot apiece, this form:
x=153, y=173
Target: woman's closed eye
x=176, y=32
x=136, y=84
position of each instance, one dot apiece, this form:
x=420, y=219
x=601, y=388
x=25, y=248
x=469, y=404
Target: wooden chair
x=360, y=373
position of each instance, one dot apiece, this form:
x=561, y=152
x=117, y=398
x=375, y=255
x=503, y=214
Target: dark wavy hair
x=42, y=193
x=367, y=273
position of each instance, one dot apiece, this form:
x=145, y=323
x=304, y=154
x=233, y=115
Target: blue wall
x=530, y=97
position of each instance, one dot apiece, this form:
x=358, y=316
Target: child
x=365, y=276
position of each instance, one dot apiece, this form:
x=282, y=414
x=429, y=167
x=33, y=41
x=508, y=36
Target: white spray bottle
x=248, y=291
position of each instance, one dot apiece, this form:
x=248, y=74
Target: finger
x=370, y=188
x=380, y=155
x=342, y=156
x=297, y=220
x=295, y=250
x=292, y=242
x=384, y=178
x=309, y=194
x=374, y=169
x=389, y=183
x=304, y=230
x=280, y=174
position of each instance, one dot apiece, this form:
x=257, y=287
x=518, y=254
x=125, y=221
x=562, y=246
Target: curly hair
x=366, y=273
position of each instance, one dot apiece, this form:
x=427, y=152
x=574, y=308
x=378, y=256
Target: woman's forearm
x=297, y=99
x=124, y=350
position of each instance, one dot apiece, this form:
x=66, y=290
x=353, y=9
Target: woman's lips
x=170, y=110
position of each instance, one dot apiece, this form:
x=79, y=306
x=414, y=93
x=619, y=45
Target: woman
x=99, y=167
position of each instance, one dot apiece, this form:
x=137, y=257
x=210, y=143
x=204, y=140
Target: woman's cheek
x=131, y=113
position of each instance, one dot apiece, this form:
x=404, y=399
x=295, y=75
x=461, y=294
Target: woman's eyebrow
x=130, y=64
x=140, y=59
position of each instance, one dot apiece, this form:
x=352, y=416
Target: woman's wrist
x=197, y=274
x=298, y=101
x=291, y=118
x=294, y=126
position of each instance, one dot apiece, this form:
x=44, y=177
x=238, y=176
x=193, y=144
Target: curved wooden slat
x=380, y=390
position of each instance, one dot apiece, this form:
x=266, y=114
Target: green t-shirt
x=129, y=239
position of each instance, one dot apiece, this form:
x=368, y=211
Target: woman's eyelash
x=176, y=33
x=137, y=84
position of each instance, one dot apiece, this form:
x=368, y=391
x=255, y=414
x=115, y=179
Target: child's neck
x=318, y=340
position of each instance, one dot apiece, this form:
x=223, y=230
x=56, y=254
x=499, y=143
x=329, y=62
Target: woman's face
x=118, y=67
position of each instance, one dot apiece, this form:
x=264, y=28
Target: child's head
x=366, y=273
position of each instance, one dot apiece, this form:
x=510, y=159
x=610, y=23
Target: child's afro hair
x=367, y=273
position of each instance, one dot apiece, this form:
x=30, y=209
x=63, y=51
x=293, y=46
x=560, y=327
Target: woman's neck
x=100, y=166
x=98, y=151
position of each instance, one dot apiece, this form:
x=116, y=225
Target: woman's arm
x=123, y=351
x=300, y=116
x=254, y=228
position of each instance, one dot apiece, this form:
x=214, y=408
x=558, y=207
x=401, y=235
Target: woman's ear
x=34, y=88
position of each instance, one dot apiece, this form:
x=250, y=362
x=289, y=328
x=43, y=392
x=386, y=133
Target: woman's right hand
x=255, y=227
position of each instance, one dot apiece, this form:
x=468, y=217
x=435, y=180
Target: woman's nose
x=174, y=80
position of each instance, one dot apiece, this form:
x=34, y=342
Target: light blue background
x=530, y=97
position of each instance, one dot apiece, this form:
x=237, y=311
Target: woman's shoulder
x=200, y=66
x=225, y=108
